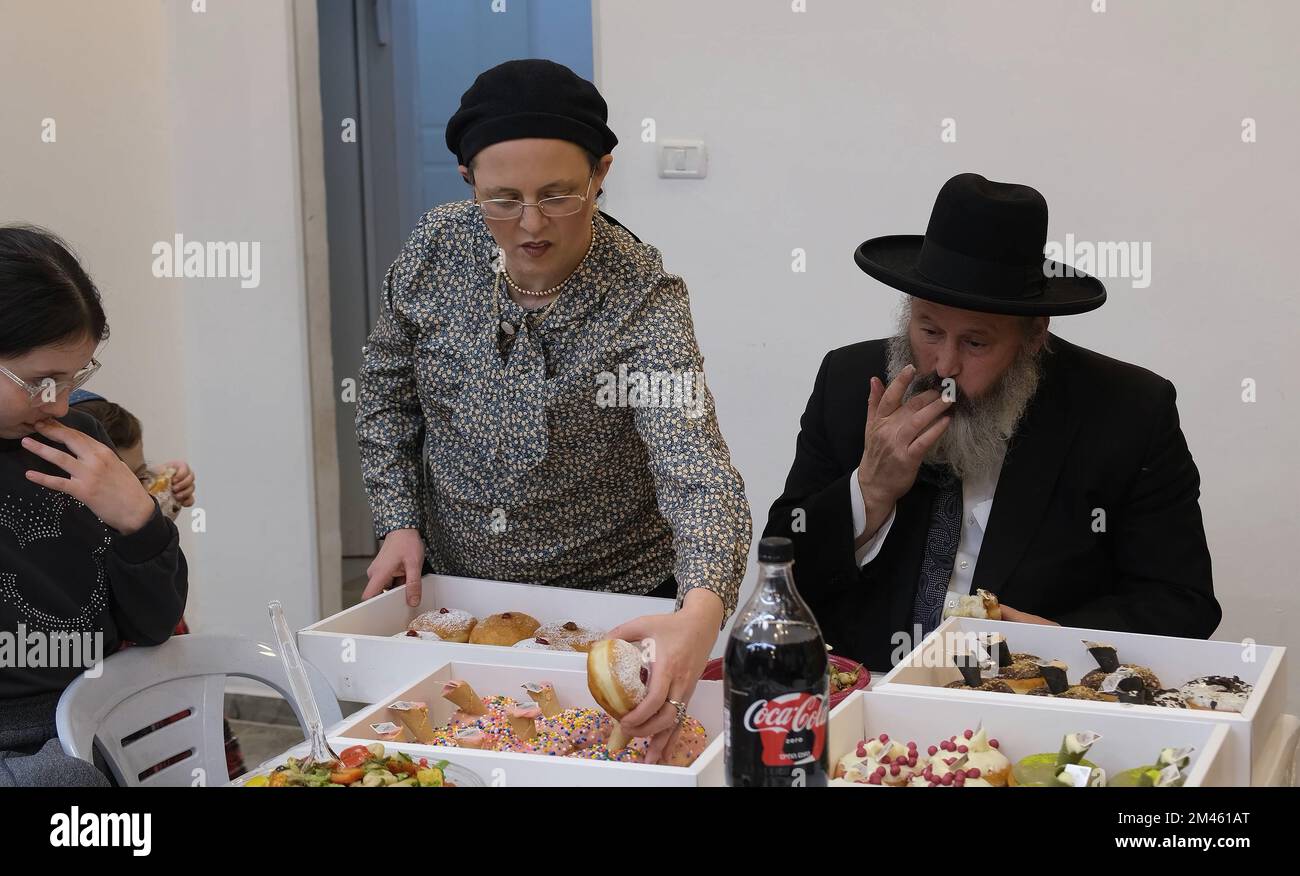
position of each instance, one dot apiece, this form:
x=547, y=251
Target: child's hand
x=102, y=482
x=182, y=483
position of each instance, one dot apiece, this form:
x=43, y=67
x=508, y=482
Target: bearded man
x=976, y=450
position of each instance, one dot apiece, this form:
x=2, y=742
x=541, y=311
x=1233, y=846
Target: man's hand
x=1024, y=617
x=400, y=559
x=897, y=438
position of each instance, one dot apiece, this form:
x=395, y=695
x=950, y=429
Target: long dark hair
x=46, y=297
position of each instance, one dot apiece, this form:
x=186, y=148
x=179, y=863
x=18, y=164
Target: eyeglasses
x=48, y=389
x=505, y=209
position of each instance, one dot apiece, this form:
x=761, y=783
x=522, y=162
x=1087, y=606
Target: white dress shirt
x=976, y=505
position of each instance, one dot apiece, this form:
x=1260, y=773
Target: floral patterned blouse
x=575, y=448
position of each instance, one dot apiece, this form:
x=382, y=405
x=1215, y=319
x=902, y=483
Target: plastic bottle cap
x=775, y=549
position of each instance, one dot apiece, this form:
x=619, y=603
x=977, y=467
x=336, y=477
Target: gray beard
x=975, y=441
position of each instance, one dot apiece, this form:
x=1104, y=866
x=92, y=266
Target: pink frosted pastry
x=523, y=720
x=687, y=746
x=633, y=753
x=582, y=727
x=415, y=717
x=467, y=702
x=471, y=737
x=552, y=744
x=543, y=693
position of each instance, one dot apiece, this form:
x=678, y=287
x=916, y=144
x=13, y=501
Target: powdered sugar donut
x=448, y=624
x=539, y=643
x=568, y=636
x=616, y=676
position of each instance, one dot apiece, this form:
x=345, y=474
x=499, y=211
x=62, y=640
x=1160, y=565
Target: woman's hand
x=182, y=482
x=400, y=559
x=98, y=478
x=678, y=647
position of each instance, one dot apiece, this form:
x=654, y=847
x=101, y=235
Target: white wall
x=171, y=121
x=823, y=129
x=233, y=116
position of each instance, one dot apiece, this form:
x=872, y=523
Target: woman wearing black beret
x=532, y=405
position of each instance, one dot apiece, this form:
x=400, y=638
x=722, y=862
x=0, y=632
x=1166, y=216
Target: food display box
x=929, y=667
x=1128, y=740
x=357, y=653
x=506, y=769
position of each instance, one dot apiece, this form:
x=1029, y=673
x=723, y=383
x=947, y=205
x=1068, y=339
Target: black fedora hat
x=983, y=250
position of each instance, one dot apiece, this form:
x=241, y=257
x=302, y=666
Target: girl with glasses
x=87, y=559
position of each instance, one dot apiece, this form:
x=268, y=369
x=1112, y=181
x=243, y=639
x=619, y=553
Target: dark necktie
x=940, y=546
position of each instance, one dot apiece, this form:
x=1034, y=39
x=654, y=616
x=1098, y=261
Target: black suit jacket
x=1098, y=434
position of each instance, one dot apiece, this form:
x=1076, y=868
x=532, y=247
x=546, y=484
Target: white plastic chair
x=139, y=687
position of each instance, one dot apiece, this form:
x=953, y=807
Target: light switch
x=683, y=159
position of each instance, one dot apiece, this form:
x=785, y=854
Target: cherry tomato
x=355, y=756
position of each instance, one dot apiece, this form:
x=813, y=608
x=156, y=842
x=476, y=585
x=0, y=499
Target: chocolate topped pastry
x=992, y=685
x=1079, y=692
x=1104, y=654
x=1054, y=674
x=1073, y=692
x=1023, y=675
x=1097, y=676
x=1169, y=698
x=969, y=666
x=1125, y=686
x=1000, y=651
x=1216, y=692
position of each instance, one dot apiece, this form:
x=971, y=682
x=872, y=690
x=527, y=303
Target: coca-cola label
x=791, y=727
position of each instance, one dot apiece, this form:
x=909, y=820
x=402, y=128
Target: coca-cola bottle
x=776, y=683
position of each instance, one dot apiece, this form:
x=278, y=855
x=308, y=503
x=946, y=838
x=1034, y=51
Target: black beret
x=529, y=98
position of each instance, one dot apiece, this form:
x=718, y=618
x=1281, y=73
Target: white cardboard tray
x=356, y=652
x=505, y=769
x=1022, y=729
x=929, y=667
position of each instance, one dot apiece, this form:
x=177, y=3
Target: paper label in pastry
x=531, y=687
x=1076, y=775
x=406, y=706
x=387, y=728
x=1110, y=684
x=1169, y=777
x=1178, y=757
x=1085, y=740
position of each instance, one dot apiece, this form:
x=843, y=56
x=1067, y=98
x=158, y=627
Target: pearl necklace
x=554, y=290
